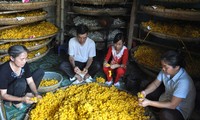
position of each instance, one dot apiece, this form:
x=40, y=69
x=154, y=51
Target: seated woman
x=116, y=60
x=18, y=84
x=177, y=102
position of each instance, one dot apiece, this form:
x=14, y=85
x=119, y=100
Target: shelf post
x=132, y=21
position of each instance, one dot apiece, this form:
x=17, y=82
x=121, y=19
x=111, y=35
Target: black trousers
x=20, y=87
x=68, y=69
x=163, y=113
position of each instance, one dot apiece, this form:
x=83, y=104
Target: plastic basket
x=51, y=75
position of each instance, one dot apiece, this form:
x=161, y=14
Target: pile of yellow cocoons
x=88, y=102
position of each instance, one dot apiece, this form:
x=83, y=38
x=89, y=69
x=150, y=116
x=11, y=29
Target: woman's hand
x=39, y=96
x=144, y=102
x=27, y=100
x=114, y=66
x=105, y=64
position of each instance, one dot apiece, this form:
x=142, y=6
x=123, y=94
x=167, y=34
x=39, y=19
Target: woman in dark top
x=17, y=83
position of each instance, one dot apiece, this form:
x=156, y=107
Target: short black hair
x=118, y=37
x=81, y=29
x=16, y=50
x=173, y=58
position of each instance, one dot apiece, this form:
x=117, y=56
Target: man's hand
x=85, y=71
x=77, y=70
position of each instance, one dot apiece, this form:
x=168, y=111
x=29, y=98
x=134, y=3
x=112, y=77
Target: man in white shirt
x=82, y=50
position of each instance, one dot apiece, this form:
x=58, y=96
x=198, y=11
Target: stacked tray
x=179, y=14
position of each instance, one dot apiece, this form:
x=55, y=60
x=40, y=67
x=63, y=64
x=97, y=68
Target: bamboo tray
x=10, y=12
x=180, y=1
x=98, y=2
x=28, y=39
x=24, y=20
x=165, y=36
x=25, y=6
x=98, y=11
x=192, y=15
x=3, y=51
x=38, y=57
x=145, y=68
x=29, y=60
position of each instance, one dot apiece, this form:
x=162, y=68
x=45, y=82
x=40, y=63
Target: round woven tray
x=145, y=68
x=26, y=20
x=26, y=6
x=10, y=12
x=172, y=13
x=180, y=1
x=37, y=57
x=6, y=27
x=165, y=36
x=2, y=51
x=112, y=26
x=28, y=39
x=98, y=2
x=113, y=11
x=29, y=60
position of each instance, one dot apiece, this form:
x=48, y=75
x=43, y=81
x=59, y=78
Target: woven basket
x=172, y=13
x=28, y=39
x=165, y=36
x=114, y=11
x=180, y=1
x=26, y=6
x=51, y=75
x=30, y=48
x=26, y=20
x=98, y=2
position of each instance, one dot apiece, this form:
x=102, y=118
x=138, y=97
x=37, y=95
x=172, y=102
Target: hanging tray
x=25, y=6
x=3, y=51
x=98, y=11
x=24, y=20
x=98, y=2
x=28, y=39
x=192, y=15
x=180, y=1
x=165, y=36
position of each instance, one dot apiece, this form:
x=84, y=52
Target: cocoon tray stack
x=25, y=24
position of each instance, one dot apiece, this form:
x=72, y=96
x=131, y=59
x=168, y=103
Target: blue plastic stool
x=63, y=47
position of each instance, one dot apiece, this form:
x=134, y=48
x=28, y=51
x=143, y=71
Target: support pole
x=132, y=21
x=62, y=22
